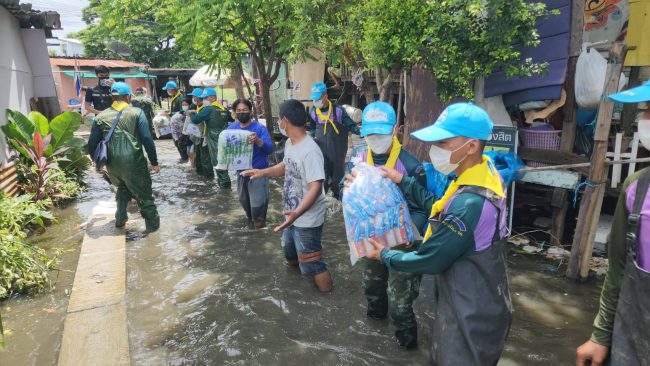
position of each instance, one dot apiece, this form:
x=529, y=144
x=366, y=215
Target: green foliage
x=22, y=267
x=468, y=39
x=136, y=24
x=21, y=130
x=41, y=168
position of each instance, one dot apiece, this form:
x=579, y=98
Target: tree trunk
x=266, y=99
x=239, y=86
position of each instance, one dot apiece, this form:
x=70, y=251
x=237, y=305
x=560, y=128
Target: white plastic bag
x=591, y=71
x=161, y=125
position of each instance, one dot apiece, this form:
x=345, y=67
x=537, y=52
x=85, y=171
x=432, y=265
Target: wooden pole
x=592, y=197
x=559, y=202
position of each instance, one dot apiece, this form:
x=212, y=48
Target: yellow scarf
x=481, y=175
x=218, y=105
x=327, y=119
x=392, y=157
x=199, y=107
x=119, y=105
x=171, y=102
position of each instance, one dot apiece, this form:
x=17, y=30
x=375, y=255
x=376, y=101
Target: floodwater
x=34, y=324
x=206, y=290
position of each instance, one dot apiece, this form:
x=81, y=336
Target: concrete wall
x=15, y=73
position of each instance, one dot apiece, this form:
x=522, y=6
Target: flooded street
x=206, y=290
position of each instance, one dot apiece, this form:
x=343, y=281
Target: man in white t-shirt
x=303, y=198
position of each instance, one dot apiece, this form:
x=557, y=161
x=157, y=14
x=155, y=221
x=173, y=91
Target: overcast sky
x=70, y=11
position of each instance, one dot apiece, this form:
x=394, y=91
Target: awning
x=114, y=75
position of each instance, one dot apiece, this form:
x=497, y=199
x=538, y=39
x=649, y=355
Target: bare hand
x=110, y=82
x=375, y=252
x=253, y=139
x=253, y=173
x=289, y=218
x=591, y=353
x=349, y=179
x=391, y=174
x=155, y=169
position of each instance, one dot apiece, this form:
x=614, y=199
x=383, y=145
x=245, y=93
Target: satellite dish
x=119, y=48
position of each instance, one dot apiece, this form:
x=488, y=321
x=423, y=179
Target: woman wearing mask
x=253, y=194
x=186, y=105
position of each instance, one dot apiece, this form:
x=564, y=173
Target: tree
x=457, y=40
x=265, y=30
x=135, y=24
x=468, y=39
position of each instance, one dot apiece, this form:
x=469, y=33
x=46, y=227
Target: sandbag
x=234, y=152
x=591, y=71
x=374, y=207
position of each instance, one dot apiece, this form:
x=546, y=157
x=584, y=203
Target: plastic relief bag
x=161, y=125
x=591, y=71
x=234, y=151
x=374, y=207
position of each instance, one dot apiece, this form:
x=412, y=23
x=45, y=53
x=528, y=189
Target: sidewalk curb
x=95, y=330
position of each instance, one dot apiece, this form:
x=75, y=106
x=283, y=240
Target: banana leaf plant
x=21, y=128
x=43, y=168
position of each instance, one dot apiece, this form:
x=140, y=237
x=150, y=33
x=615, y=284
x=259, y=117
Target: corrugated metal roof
x=69, y=62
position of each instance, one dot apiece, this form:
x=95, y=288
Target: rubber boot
x=323, y=281
x=407, y=338
x=152, y=225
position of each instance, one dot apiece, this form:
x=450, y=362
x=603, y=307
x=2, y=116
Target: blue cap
x=634, y=95
x=208, y=92
x=170, y=85
x=197, y=92
x=317, y=90
x=377, y=118
x=120, y=88
x=459, y=119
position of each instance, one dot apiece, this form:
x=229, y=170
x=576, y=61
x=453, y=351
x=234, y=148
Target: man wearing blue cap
x=175, y=105
x=388, y=290
x=621, y=327
x=127, y=165
x=463, y=244
x=330, y=127
x=212, y=118
x=140, y=100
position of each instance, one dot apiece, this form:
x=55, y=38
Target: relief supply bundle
x=374, y=207
x=234, y=151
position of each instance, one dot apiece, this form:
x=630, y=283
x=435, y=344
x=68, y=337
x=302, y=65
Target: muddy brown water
x=206, y=290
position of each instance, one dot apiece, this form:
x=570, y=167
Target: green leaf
x=23, y=124
x=40, y=123
x=63, y=126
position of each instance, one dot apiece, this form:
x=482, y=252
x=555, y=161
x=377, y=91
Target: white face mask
x=282, y=130
x=379, y=144
x=186, y=108
x=441, y=159
x=318, y=103
x=644, y=132
x=206, y=102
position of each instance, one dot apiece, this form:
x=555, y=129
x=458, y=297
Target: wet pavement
x=206, y=290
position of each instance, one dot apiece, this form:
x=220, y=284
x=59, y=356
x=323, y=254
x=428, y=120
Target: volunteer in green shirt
x=621, y=333
x=215, y=118
x=464, y=243
x=175, y=105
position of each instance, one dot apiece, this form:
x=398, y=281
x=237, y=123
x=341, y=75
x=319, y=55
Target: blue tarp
x=554, y=32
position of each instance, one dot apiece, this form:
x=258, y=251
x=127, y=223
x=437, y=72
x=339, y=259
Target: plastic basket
x=546, y=140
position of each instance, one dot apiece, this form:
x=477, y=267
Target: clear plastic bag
x=591, y=71
x=374, y=207
x=234, y=151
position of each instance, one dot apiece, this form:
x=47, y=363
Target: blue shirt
x=260, y=153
